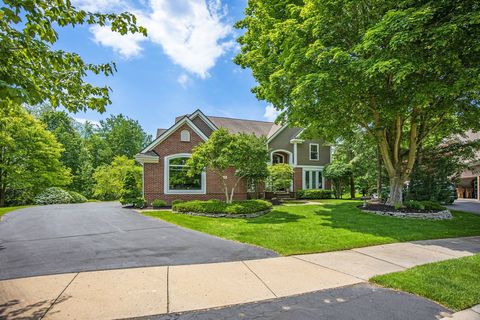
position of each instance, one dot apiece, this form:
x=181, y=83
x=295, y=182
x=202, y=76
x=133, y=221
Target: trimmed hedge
x=413, y=204
x=216, y=206
x=432, y=205
x=314, y=194
x=139, y=203
x=158, y=203
x=177, y=201
x=77, y=197
x=53, y=195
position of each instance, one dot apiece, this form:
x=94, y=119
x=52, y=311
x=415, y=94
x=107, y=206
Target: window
x=314, y=155
x=185, y=135
x=278, y=158
x=176, y=178
x=312, y=179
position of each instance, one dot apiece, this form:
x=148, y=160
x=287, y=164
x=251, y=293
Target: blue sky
x=184, y=64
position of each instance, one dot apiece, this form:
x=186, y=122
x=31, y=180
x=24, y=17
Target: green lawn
x=331, y=225
x=5, y=210
x=453, y=283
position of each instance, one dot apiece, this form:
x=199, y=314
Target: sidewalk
x=124, y=293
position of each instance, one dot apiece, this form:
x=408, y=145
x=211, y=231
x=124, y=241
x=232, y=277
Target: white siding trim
x=166, y=185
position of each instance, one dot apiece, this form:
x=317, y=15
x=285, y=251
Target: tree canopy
x=223, y=151
x=29, y=156
x=399, y=70
x=32, y=72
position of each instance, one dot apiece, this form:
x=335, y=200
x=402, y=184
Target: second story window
x=314, y=151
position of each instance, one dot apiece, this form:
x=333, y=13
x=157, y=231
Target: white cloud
x=99, y=5
x=271, y=113
x=192, y=33
x=83, y=121
x=183, y=79
x=128, y=46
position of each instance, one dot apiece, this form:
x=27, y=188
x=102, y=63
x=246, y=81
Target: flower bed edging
x=226, y=215
x=439, y=215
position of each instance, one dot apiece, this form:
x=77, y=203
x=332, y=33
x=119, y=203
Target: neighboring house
x=164, y=159
x=470, y=178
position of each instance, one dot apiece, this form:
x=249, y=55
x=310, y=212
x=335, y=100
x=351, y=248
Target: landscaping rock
x=226, y=215
x=438, y=215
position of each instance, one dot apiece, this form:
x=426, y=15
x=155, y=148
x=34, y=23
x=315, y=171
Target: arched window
x=278, y=158
x=176, y=178
x=185, y=135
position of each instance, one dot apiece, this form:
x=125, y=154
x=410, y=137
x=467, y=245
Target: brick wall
x=297, y=179
x=154, y=172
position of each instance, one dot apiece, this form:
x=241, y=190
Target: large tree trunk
x=352, y=187
x=396, y=192
x=379, y=175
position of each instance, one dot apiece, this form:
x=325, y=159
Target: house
x=164, y=160
x=467, y=187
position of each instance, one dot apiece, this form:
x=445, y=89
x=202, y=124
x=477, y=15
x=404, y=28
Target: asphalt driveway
x=95, y=236
x=468, y=205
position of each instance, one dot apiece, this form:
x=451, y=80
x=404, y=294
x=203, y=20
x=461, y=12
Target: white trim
x=310, y=151
x=290, y=156
x=276, y=133
x=299, y=133
x=141, y=158
x=309, y=167
x=314, y=169
x=172, y=129
x=295, y=154
x=200, y=114
x=166, y=184
x=143, y=181
x=279, y=155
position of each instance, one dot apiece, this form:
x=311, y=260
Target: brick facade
x=153, y=179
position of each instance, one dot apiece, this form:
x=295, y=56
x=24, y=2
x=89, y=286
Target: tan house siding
x=154, y=172
x=282, y=140
x=303, y=151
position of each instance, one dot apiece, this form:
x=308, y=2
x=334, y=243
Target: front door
x=312, y=179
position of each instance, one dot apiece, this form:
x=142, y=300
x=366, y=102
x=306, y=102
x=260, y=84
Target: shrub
x=432, y=205
x=139, y=203
x=314, y=194
x=176, y=201
x=158, y=203
x=413, y=204
x=53, y=195
x=215, y=206
x=130, y=192
x=77, y=197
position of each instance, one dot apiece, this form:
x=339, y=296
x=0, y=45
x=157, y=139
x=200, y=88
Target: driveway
x=95, y=236
x=468, y=205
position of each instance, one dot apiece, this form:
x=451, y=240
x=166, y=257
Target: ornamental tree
x=398, y=70
x=223, y=152
x=29, y=157
x=32, y=72
x=281, y=175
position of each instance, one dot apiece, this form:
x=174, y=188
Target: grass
x=331, y=225
x=6, y=210
x=453, y=283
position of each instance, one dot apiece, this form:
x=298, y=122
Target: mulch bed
x=385, y=208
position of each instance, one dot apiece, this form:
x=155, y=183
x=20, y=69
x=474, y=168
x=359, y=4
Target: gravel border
x=225, y=215
x=439, y=215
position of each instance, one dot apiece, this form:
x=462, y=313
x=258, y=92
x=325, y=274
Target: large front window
x=177, y=180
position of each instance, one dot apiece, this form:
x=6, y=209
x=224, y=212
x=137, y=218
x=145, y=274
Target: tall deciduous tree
x=245, y=153
x=29, y=155
x=122, y=136
x=401, y=70
x=32, y=72
x=109, y=178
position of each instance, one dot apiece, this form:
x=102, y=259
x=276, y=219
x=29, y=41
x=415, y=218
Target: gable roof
x=167, y=133
x=259, y=128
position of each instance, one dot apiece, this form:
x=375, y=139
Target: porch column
x=478, y=188
x=295, y=154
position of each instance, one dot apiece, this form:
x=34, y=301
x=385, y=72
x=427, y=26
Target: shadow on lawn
x=348, y=217
x=275, y=217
